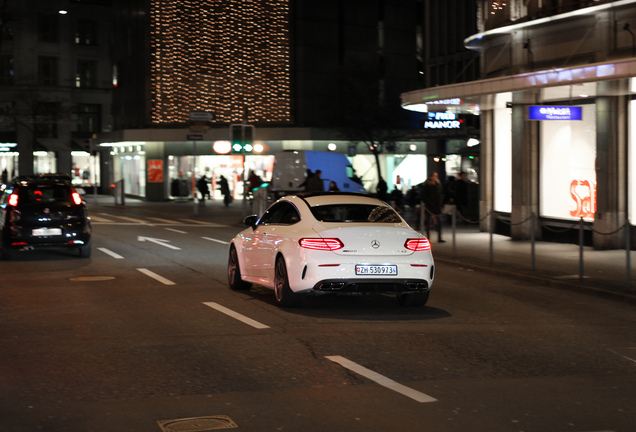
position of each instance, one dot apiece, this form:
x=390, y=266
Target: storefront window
x=568, y=174
x=502, y=132
x=632, y=159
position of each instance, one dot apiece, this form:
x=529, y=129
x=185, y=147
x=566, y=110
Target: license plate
x=45, y=232
x=386, y=270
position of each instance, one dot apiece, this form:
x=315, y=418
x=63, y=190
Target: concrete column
x=63, y=160
x=157, y=191
x=525, y=166
x=25, y=140
x=611, y=169
x=486, y=163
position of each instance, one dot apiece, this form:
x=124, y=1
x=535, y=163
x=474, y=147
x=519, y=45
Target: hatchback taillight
x=13, y=200
x=419, y=244
x=77, y=199
x=324, y=244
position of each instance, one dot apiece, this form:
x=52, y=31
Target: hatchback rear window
x=44, y=194
x=355, y=213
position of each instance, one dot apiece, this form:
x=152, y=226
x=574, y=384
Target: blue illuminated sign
x=550, y=112
x=442, y=120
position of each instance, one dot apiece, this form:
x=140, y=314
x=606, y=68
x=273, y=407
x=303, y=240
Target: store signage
x=155, y=171
x=583, y=193
x=441, y=120
x=550, y=112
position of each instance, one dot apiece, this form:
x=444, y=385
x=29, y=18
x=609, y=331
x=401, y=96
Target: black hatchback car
x=43, y=212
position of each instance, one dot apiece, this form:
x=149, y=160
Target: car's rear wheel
x=85, y=251
x=285, y=297
x=234, y=272
x=413, y=299
x=5, y=253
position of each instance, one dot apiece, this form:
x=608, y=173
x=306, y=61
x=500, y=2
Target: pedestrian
x=308, y=175
x=225, y=191
x=333, y=186
x=315, y=183
x=433, y=199
x=461, y=193
x=382, y=189
x=202, y=185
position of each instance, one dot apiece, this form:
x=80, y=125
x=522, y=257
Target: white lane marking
x=382, y=380
x=176, y=230
x=155, y=276
x=111, y=253
x=99, y=219
x=126, y=218
x=157, y=241
x=215, y=240
x=195, y=221
x=162, y=220
x=236, y=315
x=212, y=224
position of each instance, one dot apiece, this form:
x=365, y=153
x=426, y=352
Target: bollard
x=454, y=225
x=532, y=242
x=491, y=228
x=581, y=249
x=628, y=250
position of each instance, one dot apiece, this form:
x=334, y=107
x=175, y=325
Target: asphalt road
x=146, y=336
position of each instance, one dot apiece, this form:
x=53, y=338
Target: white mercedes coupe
x=319, y=243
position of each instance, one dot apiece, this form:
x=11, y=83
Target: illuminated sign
x=441, y=120
x=583, y=193
x=549, y=112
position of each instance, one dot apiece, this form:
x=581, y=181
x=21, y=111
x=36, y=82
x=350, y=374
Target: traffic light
x=248, y=138
x=242, y=137
x=236, y=132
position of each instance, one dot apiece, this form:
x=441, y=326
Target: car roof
x=327, y=198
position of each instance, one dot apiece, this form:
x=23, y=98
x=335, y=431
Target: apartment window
x=46, y=118
x=47, y=70
x=48, y=28
x=87, y=118
x=86, y=75
x=86, y=32
x=6, y=70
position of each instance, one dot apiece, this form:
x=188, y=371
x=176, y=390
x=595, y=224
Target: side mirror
x=251, y=220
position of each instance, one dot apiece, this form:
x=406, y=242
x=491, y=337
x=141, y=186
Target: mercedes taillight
x=419, y=244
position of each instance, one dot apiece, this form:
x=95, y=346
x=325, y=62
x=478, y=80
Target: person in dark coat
x=315, y=183
x=202, y=185
x=433, y=200
x=382, y=189
x=225, y=191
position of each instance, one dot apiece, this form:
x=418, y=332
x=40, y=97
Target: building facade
x=556, y=105
x=302, y=72
x=55, y=86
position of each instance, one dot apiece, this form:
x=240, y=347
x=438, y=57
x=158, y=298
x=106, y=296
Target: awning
x=467, y=96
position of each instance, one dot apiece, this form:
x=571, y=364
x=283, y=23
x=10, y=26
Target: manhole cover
x=92, y=278
x=197, y=424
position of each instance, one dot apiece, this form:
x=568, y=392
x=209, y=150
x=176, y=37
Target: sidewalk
x=556, y=264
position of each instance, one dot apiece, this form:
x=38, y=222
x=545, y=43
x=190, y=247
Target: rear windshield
x=355, y=213
x=44, y=194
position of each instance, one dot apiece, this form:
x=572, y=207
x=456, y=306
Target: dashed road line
x=216, y=240
x=129, y=219
x=100, y=219
x=156, y=277
x=176, y=230
x=236, y=315
x=162, y=220
x=381, y=379
x=111, y=253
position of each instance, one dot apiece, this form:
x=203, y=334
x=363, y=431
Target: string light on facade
x=497, y=6
x=220, y=56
